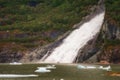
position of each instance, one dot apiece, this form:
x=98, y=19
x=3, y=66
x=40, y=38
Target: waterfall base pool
x=61, y=72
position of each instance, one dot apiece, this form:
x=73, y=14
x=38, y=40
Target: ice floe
x=16, y=75
x=108, y=68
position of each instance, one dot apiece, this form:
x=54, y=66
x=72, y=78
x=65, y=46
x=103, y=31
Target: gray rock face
x=10, y=56
x=110, y=31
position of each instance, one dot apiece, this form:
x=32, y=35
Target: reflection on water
x=58, y=72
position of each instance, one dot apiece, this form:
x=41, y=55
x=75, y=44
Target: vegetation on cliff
x=29, y=23
x=113, y=11
x=113, y=17
x=111, y=49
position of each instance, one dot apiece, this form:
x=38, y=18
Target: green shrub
x=46, y=16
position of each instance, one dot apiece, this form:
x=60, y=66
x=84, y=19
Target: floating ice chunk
x=86, y=67
x=81, y=67
x=108, y=68
x=90, y=67
x=100, y=67
x=15, y=63
x=42, y=70
x=16, y=75
x=50, y=67
x=45, y=69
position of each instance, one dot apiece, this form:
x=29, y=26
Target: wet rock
x=8, y=56
x=110, y=54
x=110, y=31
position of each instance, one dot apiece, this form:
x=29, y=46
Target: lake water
x=62, y=72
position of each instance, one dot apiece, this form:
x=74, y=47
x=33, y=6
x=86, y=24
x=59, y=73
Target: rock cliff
x=103, y=48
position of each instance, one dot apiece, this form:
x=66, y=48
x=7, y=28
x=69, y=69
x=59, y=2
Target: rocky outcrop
x=103, y=48
x=110, y=54
x=110, y=37
x=110, y=31
x=8, y=56
x=10, y=53
x=108, y=43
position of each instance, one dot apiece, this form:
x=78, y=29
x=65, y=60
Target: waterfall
x=68, y=50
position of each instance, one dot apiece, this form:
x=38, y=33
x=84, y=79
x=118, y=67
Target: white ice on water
x=42, y=70
x=68, y=50
x=45, y=69
x=16, y=75
x=108, y=68
x=15, y=63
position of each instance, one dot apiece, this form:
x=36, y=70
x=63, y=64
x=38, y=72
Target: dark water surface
x=62, y=72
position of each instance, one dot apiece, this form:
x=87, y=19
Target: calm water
x=62, y=72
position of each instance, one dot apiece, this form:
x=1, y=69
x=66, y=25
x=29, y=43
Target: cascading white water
x=68, y=50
